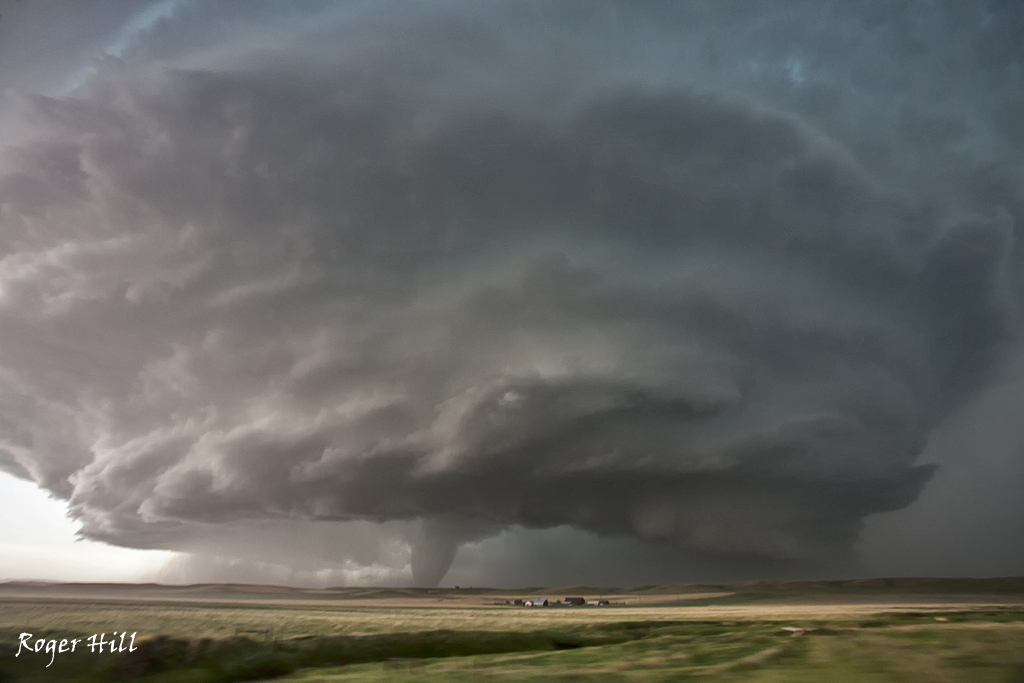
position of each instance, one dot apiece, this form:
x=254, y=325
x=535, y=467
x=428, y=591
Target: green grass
x=755, y=653
x=211, y=643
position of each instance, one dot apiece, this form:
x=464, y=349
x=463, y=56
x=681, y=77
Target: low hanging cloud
x=700, y=277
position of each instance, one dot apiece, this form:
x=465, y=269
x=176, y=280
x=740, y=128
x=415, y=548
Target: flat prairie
x=870, y=630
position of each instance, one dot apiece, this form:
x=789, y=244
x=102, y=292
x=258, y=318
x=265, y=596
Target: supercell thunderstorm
x=701, y=275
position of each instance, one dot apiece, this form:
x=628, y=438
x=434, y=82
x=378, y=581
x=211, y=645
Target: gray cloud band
x=428, y=281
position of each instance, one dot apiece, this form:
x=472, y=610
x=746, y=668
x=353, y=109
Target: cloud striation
x=700, y=276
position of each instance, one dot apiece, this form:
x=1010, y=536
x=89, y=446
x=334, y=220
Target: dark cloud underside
x=705, y=276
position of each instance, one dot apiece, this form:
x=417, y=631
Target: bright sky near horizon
x=38, y=542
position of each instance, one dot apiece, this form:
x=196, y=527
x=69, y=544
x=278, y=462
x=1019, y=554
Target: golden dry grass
x=891, y=632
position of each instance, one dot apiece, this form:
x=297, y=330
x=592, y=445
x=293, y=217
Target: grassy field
x=895, y=630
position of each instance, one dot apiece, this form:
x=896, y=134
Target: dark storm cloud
x=42, y=41
x=697, y=274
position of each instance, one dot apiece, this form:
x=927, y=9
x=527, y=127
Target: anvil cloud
x=705, y=276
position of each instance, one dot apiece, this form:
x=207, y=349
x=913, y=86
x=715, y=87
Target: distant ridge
x=227, y=591
x=903, y=584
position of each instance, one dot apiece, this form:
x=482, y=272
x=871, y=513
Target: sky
x=510, y=292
